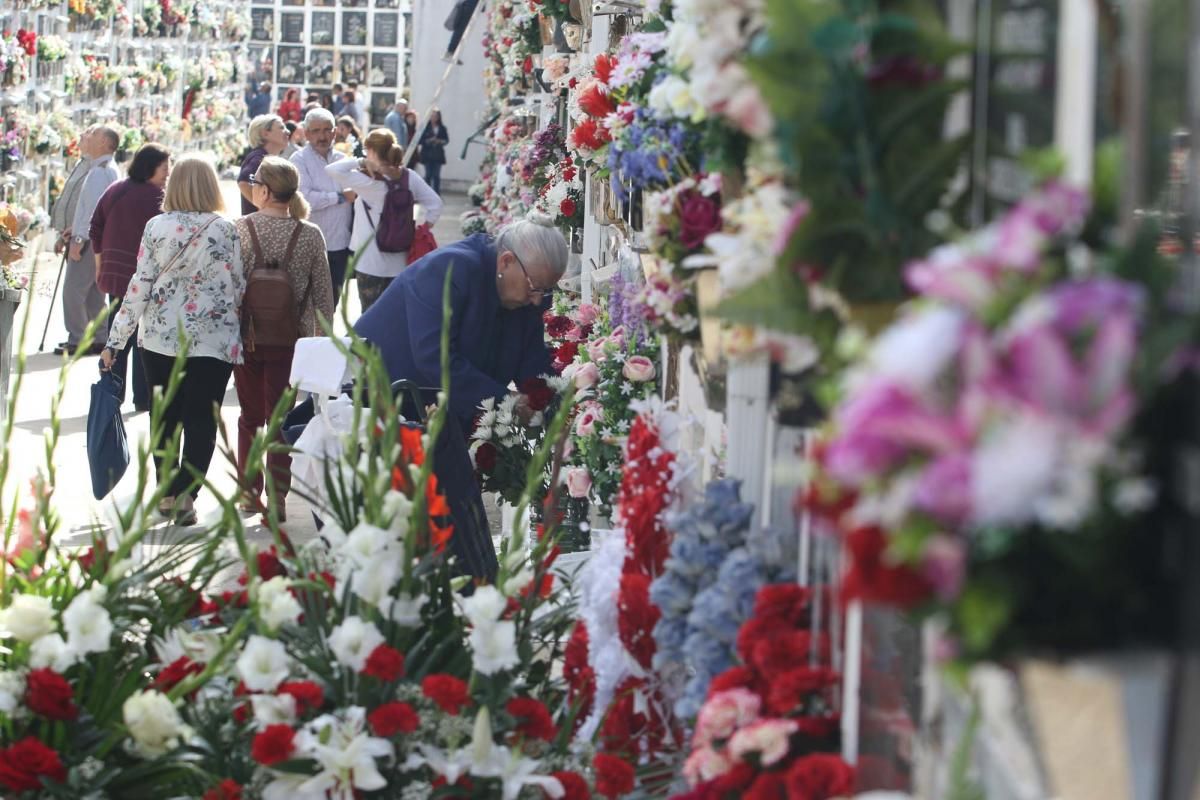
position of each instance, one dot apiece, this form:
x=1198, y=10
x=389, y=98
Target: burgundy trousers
x=260, y=381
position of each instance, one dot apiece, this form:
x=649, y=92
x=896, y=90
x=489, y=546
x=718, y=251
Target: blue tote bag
x=107, y=447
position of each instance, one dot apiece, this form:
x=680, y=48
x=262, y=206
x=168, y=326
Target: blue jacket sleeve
x=423, y=315
x=535, y=357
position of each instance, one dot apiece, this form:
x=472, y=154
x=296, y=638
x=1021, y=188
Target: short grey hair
x=535, y=240
x=109, y=135
x=319, y=115
x=259, y=127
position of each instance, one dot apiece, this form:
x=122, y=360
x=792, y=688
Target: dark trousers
x=130, y=355
x=433, y=176
x=260, y=381
x=194, y=408
x=338, y=259
x=370, y=289
x=465, y=10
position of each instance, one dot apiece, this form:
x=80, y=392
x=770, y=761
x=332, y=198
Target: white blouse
x=372, y=192
x=199, y=288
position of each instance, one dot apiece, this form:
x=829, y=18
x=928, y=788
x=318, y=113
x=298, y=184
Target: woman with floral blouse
x=190, y=280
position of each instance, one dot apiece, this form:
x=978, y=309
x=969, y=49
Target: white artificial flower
x=87, y=623
x=12, y=689
x=1011, y=469
x=276, y=604
x=27, y=618
x=673, y=97
x=263, y=664
x=486, y=604
x=289, y=787
x=199, y=646
x=918, y=348
x=449, y=764
x=52, y=651
x=346, y=753
x=514, y=770
x=494, y=646
x=397, y=508
x=365, y=544
x=334, y=535
x=406, y=611
x=153, y=722
x=272, y=709
x=353, y=641
x=374, y=582
x=517, y=582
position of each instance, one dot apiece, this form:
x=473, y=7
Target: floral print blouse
x=201, y=290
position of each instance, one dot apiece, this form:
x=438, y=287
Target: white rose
x=51, y=651
x=579, y=482
x=263, y=664
x=12, y=689
x=353, y=641
x=153, y=722
x=87, y=623
x=29, y=617
x=276, y=605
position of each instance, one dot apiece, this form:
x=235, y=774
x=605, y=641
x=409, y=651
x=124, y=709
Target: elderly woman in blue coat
x=497, y=292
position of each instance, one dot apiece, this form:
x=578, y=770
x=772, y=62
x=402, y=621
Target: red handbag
x=423, y=243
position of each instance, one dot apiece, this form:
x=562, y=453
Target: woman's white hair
x=535, y=240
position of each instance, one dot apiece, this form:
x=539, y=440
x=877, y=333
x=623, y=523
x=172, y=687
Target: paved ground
x=44, y=375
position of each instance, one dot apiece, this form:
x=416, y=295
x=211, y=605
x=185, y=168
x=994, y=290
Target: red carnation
x=567, y=207
x=241, y=713
x=785, y=602
x=48, y=693
x=276, y=743
x=269, y=565
x=23, y=765
x=580, y=677
x=533, y=720
x=637, y=617
x=392, y=718
x=873, y=578
x=227, y=789
x=732, y=678
x=736, y=779
x=595, y=103
x=589, y=135
x=614, y=776
x=573, y=784
x=775, y=655
x=308, y=695
x=385, y=663
x=767, y=786
x=791, y=688
x=173, y=674
x=755, y=630
x=557, y=325
x=820, y=776
x=485, y=457
x=538, y=392
x=566, y=352
x=448, y=692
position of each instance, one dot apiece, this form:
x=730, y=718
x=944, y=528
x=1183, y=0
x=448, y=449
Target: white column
x=1075, y=103
x=746, y=412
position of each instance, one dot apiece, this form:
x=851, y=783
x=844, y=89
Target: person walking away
x=282, y=302
x=268, y=137
x=189, y=277
x=62, y=214
x=394, y=121
x=350, y=108
x=82, y=300
x=349, y=138
x=116, y=233
x=433, y=150
x=330, y=207
x=289, y=107
x=457, y=23
x=260, y=102
x=380, y=173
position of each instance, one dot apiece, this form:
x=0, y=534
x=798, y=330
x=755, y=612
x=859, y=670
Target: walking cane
x=61, y=266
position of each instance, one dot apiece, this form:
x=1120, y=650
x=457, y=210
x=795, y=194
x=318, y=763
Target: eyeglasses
x=532, y=289
x=254, y=180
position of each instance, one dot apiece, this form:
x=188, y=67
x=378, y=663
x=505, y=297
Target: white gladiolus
x=87, y=623
x=276, y=605
x=263, y=664
x=365, y=543
x=494, y=646
x=271, y=709
x=29, y=617
x=52, y=651
x=397, y=508
x=406, y=611
x=353, y=641
x=485, y=605
x=374, y=582
x=153, y=722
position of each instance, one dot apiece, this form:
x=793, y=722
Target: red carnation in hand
x=448, y=692
x=385, y=663
x=171, y=675
x=614, y=776
x=533, y=720
x=538, y=392
x=820, y=776
x=308, y=695
x=48, y=693
x=485, y=457
x=574, y=786
x=227, y=789
x=23, y=765
x=276, y=743
x=392, y=718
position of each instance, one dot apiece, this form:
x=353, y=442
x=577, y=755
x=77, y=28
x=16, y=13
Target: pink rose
x=724, y=713
x=579, y=482
x=586, y=375
x=639, y=369
x=704, y=765
x=617, y=337
x=596, y=350
x=587, y=314
x=770, y=738
x=698, y=217
x=590, y=416
x=574, y=334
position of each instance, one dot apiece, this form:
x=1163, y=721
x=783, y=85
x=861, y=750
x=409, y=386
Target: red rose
x=227, y=789
x=485, y=457
x=276, y=743
x=767, y=786
x=174, y=673
x=567, y=207
x=48, y=693
x=448, y=692
x=785, y=602
x=556, y=324
x=385, y=663
x=820, y=776
x=533, y=720
x=698, y=217
x=614, y=776
x=308, y=695
x=23, y=765
x=269, y=565
x=566, y=352
x=392, y=718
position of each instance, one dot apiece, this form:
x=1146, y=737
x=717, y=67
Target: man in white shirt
x=82, y=299
x=331, y=208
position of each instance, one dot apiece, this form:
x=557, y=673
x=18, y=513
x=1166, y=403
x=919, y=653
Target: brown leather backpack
x=270, y=316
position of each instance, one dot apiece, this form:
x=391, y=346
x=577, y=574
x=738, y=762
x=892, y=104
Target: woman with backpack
x=287, y=286
x=189, y=277
x=383, y=213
